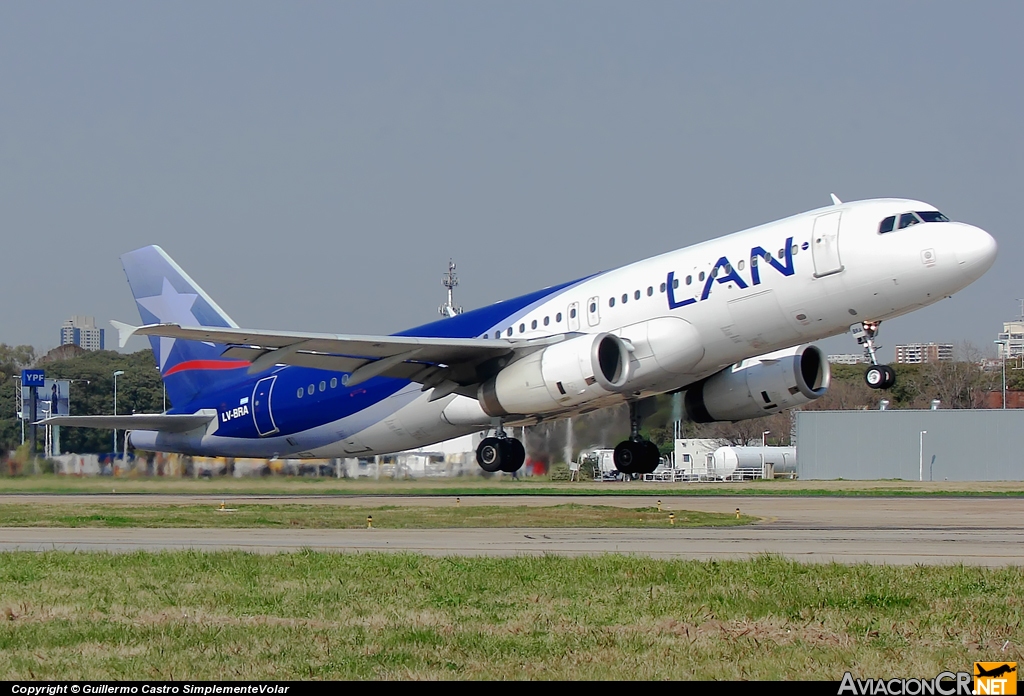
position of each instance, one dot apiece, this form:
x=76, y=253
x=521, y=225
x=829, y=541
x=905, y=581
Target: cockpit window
x=932, y=216
x=908, y=219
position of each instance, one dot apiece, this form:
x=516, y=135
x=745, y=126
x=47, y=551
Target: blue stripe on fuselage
x=294, y=414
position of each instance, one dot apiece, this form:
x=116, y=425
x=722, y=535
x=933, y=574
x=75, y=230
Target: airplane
x=997, y=672
x=729, y=321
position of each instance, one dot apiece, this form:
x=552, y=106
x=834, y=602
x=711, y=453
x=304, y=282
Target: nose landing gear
x=877, y=376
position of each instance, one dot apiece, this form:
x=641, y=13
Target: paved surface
x=976, y=531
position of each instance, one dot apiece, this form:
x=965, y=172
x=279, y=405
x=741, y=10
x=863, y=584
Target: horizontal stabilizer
x=124, y=331
x=162, y=422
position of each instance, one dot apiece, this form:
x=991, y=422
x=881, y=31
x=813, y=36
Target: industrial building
x=1010, y=343
x=911, y=445
x=920, y=353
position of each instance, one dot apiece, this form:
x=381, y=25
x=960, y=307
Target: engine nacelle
x=559, y=376
x=760, y=386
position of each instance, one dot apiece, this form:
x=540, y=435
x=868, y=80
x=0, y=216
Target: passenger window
x=299, y=395
x=593, y=306
x=908, y=220
x=675, y=283
x=650, y=291
x=572, y=313
x=625, y=299
x=310, y=390
x=533, y=324
x=611, y=302
x=323, y=386
x=689, y=280
x=636, y=295
x=334, y=380
x=497, y=334
x=509, y=331
x=739, y=265
x=662, y=287
x=701, y=277
x=546, y=321
x=887, y=224
x=522, y=328
x=558, y=318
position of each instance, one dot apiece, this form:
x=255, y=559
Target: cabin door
x=261, y=413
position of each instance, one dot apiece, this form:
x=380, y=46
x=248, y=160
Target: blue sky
x=314, y=165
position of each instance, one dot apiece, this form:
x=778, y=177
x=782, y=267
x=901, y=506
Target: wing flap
x=368, y=347
x=163, y=422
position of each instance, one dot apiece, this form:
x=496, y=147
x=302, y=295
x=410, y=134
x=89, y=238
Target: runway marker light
x=458, y=502
x=369, y=521
x=659, y=506
x=737, y=513
x=222, y=506
x=672, y=518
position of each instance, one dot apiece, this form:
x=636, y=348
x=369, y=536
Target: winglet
x=124, y=331
x=835, y=199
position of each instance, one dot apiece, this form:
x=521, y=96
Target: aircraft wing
x=168, y=423
x=447, y=364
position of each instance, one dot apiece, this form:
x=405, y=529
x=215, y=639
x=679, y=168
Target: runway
x=973, y=531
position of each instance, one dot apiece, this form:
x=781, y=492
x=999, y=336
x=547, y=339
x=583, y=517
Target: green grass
x=466, y=486
x=299, y=516
x=233, y=615
x=281, y=485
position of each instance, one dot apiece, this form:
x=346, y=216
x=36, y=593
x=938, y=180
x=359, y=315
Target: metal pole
x=764, y=473
x=920, y=455
x=32, y=423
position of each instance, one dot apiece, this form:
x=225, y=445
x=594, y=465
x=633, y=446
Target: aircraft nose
x=975, y=251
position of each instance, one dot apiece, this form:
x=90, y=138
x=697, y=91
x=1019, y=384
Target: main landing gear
x=636, y=456
x=877, y=376
x=500, y=453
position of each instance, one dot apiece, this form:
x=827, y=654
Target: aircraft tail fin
x=165, y=293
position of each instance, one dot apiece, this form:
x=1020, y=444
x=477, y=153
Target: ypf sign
x=33, y=378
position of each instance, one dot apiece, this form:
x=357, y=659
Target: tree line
x=139, y=390
x=958, y=384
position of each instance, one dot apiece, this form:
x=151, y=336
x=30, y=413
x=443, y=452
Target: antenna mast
x=449, y=280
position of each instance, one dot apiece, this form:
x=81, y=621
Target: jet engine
x=760, y=386
x=562, y=375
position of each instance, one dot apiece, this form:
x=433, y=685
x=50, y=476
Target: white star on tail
x=170, y=307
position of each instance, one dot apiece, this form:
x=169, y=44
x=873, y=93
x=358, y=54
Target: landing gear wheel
x=628, y=456
x=890, y=377
x=880, y=377
x=652, y=457
x=489, y=455
x=500, y=454
x=514, y=455
x=637, y=457
x=875, y=377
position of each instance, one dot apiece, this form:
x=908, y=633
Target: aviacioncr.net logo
x=944, y=684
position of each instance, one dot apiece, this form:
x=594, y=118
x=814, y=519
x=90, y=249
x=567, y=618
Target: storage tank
x=779, y=461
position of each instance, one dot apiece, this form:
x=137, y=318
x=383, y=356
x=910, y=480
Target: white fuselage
x=839, y=270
